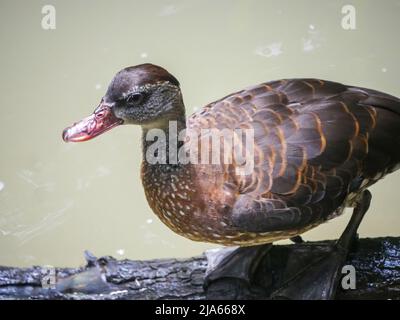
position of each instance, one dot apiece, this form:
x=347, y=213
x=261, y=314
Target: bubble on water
x=149, y=221
x=1, y=185
x=103, y=171
x=271, y=50
x=97, y=86
x=168, y=10
x=121, y=252
x=313, y=40
x=384, y=70
x=144, y=55
x=308, y=45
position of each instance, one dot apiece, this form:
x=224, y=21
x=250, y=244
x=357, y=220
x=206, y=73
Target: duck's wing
x=315, y=142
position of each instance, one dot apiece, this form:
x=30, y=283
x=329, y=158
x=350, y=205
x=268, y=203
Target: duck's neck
x=166, y=179
x=161, y=141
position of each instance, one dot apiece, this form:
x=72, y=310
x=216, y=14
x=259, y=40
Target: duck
x=315, y=147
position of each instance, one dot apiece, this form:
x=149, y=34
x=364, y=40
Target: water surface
x=58, y=199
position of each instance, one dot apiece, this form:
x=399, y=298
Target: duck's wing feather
x=315, y=142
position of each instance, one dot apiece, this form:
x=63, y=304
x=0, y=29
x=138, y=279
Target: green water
x=58, y=199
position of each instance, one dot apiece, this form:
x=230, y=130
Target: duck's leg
x=320, y=279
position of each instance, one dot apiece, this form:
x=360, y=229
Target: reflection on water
x=58, y=199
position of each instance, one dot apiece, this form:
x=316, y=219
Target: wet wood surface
x=376, y=261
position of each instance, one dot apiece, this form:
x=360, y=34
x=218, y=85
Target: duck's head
x=146, y=94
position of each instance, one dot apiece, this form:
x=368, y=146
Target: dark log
x=376, y=261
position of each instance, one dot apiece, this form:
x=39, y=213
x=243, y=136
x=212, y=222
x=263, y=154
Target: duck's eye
x=134, y=99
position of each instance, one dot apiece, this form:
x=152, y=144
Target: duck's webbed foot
x=301, y=272
x=231, y=271
x=320, y=278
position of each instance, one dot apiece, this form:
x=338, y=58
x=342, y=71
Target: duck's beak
x=102, y=120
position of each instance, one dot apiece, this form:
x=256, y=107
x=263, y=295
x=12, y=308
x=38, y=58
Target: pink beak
x=102, y=120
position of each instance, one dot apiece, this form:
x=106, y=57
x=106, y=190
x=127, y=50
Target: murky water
x=58, y=199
